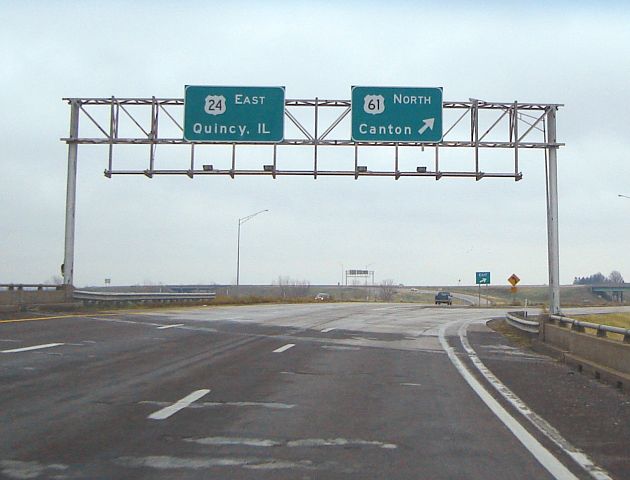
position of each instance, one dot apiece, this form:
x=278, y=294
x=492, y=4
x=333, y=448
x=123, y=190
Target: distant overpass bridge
x=612, y=291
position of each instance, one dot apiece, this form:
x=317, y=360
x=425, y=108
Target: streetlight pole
x=241, y=221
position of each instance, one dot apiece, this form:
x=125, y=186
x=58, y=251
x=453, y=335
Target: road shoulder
x=593, y=416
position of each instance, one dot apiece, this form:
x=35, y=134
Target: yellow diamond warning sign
x=514, y=279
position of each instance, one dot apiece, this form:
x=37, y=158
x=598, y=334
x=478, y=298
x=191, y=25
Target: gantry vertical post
x=71, y=197
x=552, y=216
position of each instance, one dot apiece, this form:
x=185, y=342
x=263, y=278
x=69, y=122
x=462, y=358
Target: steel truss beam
x=104, y=115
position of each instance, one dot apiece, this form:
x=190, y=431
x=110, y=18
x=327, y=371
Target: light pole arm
x=241, y=221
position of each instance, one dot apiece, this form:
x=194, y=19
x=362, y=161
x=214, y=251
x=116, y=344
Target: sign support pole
x=71, y=198
x=552, y=218
x=238, y=256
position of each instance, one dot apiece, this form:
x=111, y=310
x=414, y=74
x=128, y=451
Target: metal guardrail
x=530, y=326
x=158, y=297
x=30, y=286
x=602, y=330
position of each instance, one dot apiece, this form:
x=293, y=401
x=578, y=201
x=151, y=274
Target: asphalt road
x=329, y=391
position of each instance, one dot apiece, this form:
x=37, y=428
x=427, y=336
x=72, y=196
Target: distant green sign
x=483, y=278
x=396, y=114
x=234, y=114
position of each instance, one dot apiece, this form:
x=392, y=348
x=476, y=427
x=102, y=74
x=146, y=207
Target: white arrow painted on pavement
x=428, y=123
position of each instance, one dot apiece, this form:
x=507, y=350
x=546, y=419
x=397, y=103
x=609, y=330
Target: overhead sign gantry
x=392, y=119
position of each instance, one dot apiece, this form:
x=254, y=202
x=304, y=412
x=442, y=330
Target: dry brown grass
x=515, y=336
x=621, y=320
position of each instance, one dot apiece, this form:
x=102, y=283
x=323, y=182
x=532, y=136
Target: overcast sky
x=414, y=231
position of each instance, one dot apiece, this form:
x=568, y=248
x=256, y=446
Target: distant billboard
x=357, y=272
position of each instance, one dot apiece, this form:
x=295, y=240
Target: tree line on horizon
x=598, y=278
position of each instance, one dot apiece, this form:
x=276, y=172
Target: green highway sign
x=483, y=278
x=397, y=114
x=234, y=114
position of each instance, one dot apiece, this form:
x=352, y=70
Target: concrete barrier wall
x=557, y=336
x=611, y=354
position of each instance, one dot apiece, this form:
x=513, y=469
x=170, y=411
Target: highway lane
x=283, y=392
x=468, y=299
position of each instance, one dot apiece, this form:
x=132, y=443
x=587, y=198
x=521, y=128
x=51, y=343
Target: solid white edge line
x=284, y=348
x=164, y=327
x=540, y=423
x=34, y=347
x=540, y=453
x=178, y=405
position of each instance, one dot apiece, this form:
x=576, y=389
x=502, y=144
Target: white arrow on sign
x=428, y=123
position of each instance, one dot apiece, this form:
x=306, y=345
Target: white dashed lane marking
x=164, y=327
x=284, y=348
x=178, y=405
x=34, y=347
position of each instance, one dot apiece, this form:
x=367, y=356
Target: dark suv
x=444, y=297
